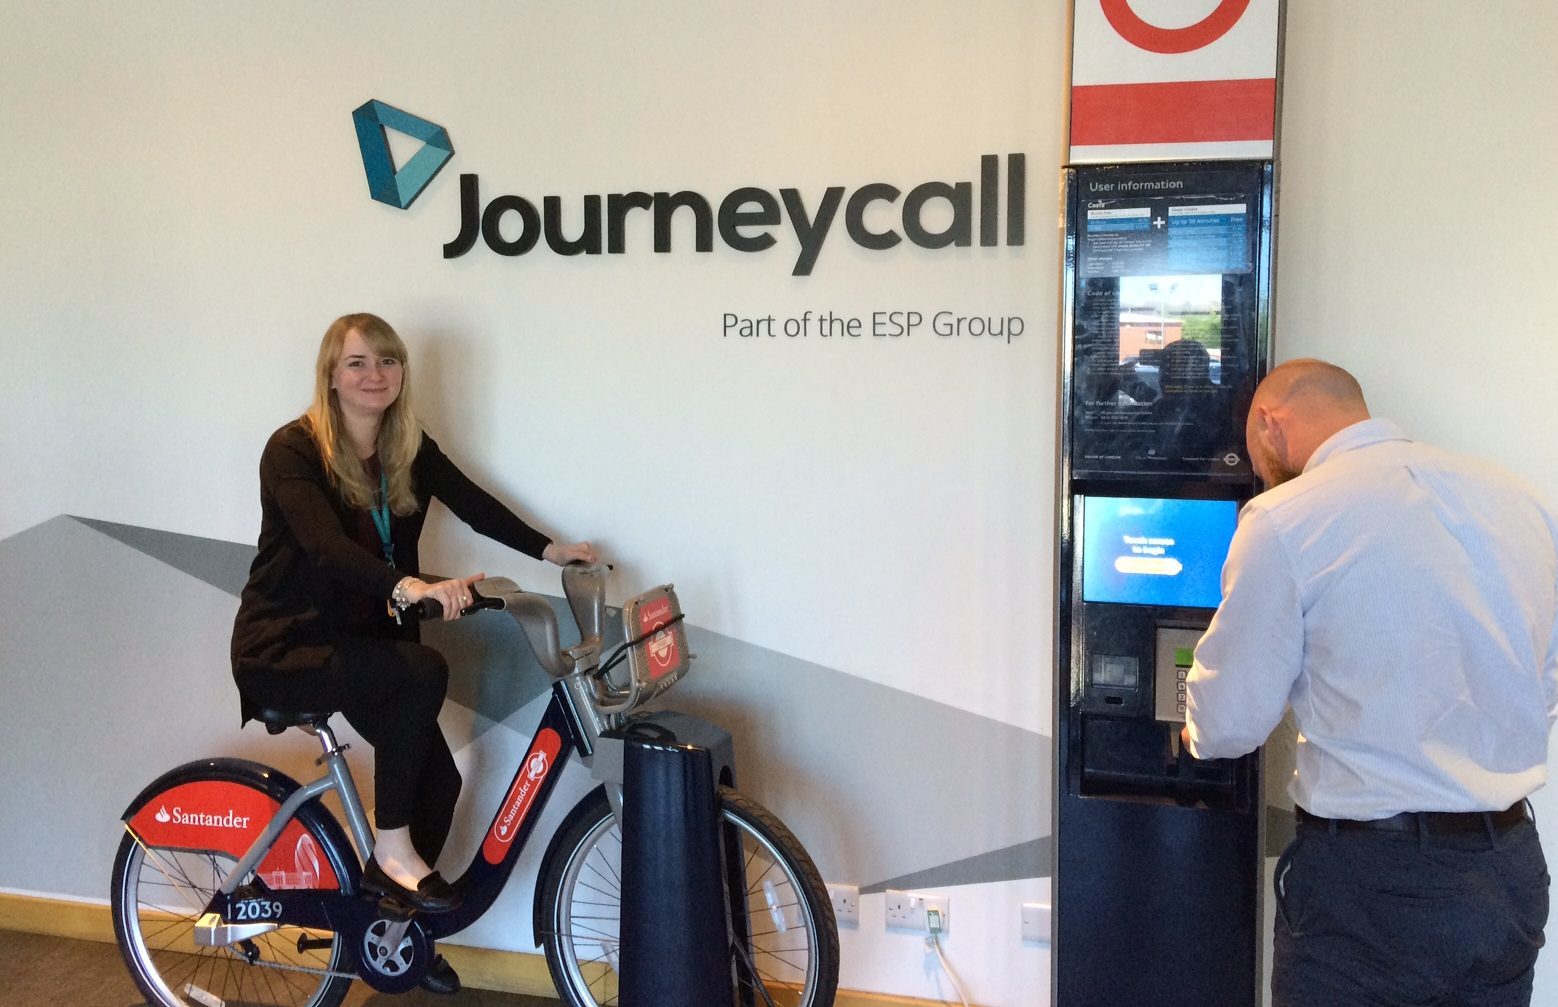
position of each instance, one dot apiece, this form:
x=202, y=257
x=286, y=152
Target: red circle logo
x=1150, y=37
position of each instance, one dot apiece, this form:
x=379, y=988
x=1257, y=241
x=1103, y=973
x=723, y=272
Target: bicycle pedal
x=211, y=931
x=395, y=910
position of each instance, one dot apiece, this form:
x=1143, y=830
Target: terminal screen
x=1168, y=321
x=1151, y=551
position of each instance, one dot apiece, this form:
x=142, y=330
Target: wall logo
x=989, y=209
x=1173, y=41
x=387, y=185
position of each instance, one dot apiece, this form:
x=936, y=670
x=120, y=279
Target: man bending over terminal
x=1403, y=601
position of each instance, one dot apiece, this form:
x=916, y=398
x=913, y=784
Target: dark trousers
x=390, y=691
x=1390, y=918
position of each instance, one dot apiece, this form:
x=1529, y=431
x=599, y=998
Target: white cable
x=934, y=941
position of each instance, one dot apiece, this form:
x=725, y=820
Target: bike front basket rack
x=658, y=655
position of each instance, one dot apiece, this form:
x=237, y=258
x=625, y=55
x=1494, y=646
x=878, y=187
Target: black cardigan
x=291, y=611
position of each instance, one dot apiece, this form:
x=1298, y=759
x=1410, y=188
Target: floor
x=43, y=970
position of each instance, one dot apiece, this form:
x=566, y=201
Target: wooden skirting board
x=505, y=971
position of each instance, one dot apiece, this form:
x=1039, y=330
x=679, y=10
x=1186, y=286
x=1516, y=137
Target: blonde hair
x=399, y=433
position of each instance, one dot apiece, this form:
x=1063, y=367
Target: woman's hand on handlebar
x=453, y=594
x=563, y=554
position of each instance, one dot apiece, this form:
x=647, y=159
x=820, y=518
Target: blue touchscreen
x=1139, y=551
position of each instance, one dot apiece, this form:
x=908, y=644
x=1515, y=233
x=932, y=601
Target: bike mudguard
x=223, y=805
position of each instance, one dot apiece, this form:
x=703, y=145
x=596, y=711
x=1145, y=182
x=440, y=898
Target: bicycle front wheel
x=789, y=957
x=158, y=895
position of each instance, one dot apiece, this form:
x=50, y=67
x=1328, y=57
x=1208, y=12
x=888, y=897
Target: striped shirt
x=1404, y=602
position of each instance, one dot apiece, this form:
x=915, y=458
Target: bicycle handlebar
x=584, y=584
x=432, y=609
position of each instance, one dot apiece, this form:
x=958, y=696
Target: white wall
x=189, y=212
x=1416, y=240
x=185, y=211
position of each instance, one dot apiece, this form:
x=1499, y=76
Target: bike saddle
x=277, y=721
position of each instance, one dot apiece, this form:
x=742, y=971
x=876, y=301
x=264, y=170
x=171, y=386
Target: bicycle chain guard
x=392, y=955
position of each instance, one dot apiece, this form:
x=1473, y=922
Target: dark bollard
x=675, y=942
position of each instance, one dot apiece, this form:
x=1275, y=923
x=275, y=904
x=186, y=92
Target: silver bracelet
x=399, y=597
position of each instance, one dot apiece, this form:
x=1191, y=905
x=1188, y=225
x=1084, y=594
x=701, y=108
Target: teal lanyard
x=381, y=519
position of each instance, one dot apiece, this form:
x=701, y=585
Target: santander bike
x=235, y=884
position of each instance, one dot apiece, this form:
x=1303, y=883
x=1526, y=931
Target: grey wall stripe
x=853, y=766
x=218, y=563
x=1025, y=860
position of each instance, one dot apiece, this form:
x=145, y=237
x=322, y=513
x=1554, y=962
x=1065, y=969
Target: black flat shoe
x=432, y=895
x=441, y=977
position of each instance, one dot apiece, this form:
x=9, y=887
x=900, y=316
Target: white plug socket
x=846, y=903
x=911, y=911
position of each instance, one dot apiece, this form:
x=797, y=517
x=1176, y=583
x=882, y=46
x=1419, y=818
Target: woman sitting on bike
x=344, y=491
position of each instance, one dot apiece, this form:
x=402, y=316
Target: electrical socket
x=911, y=911
x=846, y=903
x=1036, y=920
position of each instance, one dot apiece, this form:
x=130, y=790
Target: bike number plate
x=222, y=816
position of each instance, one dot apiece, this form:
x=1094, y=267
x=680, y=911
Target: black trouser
x=1397, y=918
x=390, y=691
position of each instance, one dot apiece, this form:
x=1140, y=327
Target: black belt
x=1430, y=822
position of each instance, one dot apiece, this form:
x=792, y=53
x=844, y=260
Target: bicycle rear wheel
x=158, y=894
x=790, y=955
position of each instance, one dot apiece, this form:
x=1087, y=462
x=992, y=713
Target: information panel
x=1167, y=319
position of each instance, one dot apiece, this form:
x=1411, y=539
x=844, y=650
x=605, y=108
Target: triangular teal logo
x=398, y=188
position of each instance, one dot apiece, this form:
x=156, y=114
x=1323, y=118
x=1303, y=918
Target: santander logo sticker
x=225, y=816
x=204, y=815
x=522, y=795
x=203, y=819
x=663, y=652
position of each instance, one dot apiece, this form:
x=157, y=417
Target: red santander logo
x=539, y=762
x=661, y=647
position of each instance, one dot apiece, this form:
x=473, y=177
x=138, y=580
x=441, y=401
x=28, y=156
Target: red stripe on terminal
x=1193, y=111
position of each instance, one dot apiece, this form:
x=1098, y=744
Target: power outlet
x=911, y=911
x=846, y=903
x=1036, y=920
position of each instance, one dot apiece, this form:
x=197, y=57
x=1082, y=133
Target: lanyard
x=381, y=519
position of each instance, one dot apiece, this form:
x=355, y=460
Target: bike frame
x=568, y=725
x=587, y=715
x=294, y=865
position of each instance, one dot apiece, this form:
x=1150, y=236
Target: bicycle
x=235, y=884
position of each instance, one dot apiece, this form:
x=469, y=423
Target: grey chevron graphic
x=847, y=762
x=1025, y=860
x=221, y=564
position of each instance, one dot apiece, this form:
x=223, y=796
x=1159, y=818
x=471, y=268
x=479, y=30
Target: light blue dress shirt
x=1403, y=601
